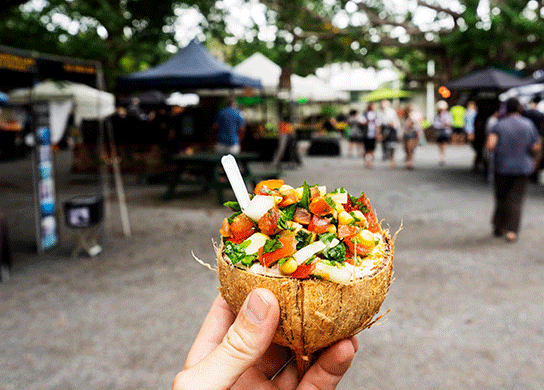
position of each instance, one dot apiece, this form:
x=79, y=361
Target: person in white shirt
x=390, y=127
x=372, y=134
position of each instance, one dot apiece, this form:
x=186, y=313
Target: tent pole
x=115, y=162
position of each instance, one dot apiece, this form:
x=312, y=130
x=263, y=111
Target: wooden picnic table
x=204, y=169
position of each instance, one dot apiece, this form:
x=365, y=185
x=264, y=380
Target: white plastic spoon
x=235, y=178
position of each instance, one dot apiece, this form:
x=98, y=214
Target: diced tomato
x=320, y=206
x=304, y=271
x=352, y=247
x=225, y=228
x=289, y=197
x=347, y=231
x=265, y=187
x=314, y=192
x=319, y=225
x=268, y=224
x=348, y=206
x=288, y=249
x=241, y=228
x=372, y=220
x=302, y=216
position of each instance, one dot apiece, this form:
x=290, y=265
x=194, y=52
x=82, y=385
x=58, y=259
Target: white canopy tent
x=65, y=98
x=310, y=88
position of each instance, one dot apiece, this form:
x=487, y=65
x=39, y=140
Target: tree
x=125, y=35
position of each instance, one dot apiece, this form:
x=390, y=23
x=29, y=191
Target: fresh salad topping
x=304, y=232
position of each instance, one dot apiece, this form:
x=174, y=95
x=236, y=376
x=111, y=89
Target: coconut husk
x=314, y=314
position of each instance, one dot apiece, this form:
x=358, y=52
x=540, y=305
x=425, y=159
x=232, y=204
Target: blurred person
x=390, y=127
x=287, y=145
x=372, y=134
x=537, y=117
x=486, y=108
x=458, y=124
x=356, y=123
x=237, y=352
x=442, y=127
x=469, y=119
x=411, y=130
x=514, y=140
x=230, y=125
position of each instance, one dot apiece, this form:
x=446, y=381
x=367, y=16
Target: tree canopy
x=299, y=35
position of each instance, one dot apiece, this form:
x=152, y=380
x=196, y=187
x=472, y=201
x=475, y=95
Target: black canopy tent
x=193, y=67
x=489, y=79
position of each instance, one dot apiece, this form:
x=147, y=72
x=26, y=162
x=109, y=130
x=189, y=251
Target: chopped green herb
x=234, y=206
x=286, y=214
x=236, y=253
x=282, y=260
x=336, y=254
x=231, y=218
x=305, y=200
x=271, y=245
x=303, y=238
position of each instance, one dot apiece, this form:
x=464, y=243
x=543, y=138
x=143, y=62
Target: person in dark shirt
x=230, y=126
x=514, y=141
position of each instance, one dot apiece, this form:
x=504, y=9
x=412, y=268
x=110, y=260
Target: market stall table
x=204, y=169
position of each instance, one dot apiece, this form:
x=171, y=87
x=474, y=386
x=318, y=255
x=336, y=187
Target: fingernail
x=257, y=308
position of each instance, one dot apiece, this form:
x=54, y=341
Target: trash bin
x=85, y=213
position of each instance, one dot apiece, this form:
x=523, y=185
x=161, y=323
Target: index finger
x=214, y=328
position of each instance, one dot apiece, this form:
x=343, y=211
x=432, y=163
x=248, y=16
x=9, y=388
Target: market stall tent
x=193, y=67
x=89, y=103
x=260, y=67
x=486, y=79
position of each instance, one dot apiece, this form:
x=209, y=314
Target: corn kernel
x=289, y=266
x=366, y=238
x=339, y=207
x=332, y=229
x=344, y=218
x=284, y=188
x=360, y=218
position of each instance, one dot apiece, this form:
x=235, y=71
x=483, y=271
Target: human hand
x=236, y=353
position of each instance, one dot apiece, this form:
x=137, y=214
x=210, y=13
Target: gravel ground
x=466, y=308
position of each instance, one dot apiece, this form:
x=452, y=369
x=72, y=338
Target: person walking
x=356, y=136
x=230, y=126
x=390, y=127
x=411, y=129
x=442, y=124
x=458, y=133
x=514, y=141
x=372, y=134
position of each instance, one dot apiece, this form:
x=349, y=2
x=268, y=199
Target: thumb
x=245, y=342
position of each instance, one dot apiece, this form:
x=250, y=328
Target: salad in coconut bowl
x=322, y=253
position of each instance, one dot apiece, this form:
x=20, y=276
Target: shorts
x=442, y=139
x=458, y=130
x=370, y=144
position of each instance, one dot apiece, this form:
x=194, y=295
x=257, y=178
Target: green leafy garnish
x=286, y=214
x=234, y=206
x=234, y=215
x=236, y=253
x=271, y=245
x=303, y=238
x=305, y=200
x=336, y=254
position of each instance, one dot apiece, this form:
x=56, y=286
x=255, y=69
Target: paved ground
x=466, y=308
